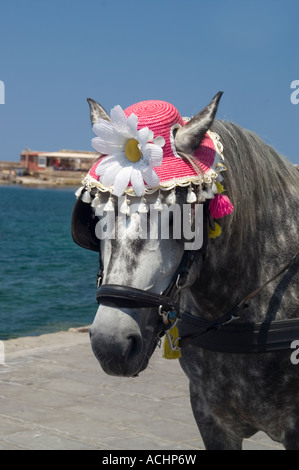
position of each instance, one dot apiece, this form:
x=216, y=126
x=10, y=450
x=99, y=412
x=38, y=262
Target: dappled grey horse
x=237, y=330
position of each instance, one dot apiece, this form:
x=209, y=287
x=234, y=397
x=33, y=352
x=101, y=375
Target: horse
x=235, y=391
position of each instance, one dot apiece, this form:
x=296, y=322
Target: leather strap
x=241, y=338
x=130, y=297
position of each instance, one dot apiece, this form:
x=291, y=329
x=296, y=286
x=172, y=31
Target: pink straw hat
x=138, y=157
x=162, y=119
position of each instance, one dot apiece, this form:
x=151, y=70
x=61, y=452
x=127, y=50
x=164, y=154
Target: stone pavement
x=54, y=395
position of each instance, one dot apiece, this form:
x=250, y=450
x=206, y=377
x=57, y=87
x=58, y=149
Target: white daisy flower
x=132, y=155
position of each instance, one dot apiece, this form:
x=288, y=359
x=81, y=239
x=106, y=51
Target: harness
x=222, y=334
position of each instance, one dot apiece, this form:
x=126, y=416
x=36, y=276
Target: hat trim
x=209, y=177
x=217, y=143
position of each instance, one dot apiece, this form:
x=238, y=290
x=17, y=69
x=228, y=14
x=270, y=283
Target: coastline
x=32, y=181
x=12, y=173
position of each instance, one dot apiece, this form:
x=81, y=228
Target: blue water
x=47, y=282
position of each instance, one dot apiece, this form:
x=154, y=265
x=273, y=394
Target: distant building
x=70, y=160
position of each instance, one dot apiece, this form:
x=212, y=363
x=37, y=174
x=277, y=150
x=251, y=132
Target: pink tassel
x=220, y=206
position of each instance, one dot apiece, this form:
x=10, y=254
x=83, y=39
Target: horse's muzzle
x=117, y=342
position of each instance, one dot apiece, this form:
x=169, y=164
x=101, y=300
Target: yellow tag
x=168, y=353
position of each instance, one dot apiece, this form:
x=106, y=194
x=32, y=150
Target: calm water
x=47, y=283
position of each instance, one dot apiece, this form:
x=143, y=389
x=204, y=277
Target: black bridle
x=222, y=334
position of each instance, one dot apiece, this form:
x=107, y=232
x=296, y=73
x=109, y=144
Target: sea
x=47, y=282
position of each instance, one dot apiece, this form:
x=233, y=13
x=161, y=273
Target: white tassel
x=125, y=208
x=109, y=206
x=96, y=201
x=86, y=197
x=191, y=196
x=158, y=206
x=171, y=198
x=79, y=191
x=142, y=207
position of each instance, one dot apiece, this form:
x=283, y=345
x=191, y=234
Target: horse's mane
x=256, y=178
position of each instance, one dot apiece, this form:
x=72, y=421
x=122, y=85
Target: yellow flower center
x=132, y=150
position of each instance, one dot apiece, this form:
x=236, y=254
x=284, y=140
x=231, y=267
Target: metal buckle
x=164, y=315
x=168, y=317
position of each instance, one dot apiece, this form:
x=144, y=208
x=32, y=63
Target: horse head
x=142, y=237
x=127, y=325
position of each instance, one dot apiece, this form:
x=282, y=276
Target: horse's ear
x=97, y=111
x=189, y=137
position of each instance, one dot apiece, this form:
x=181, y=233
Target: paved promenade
x=54, y=395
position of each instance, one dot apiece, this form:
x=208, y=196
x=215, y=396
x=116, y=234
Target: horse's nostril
x=135, y=346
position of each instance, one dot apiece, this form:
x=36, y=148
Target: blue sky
x=53, y=55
